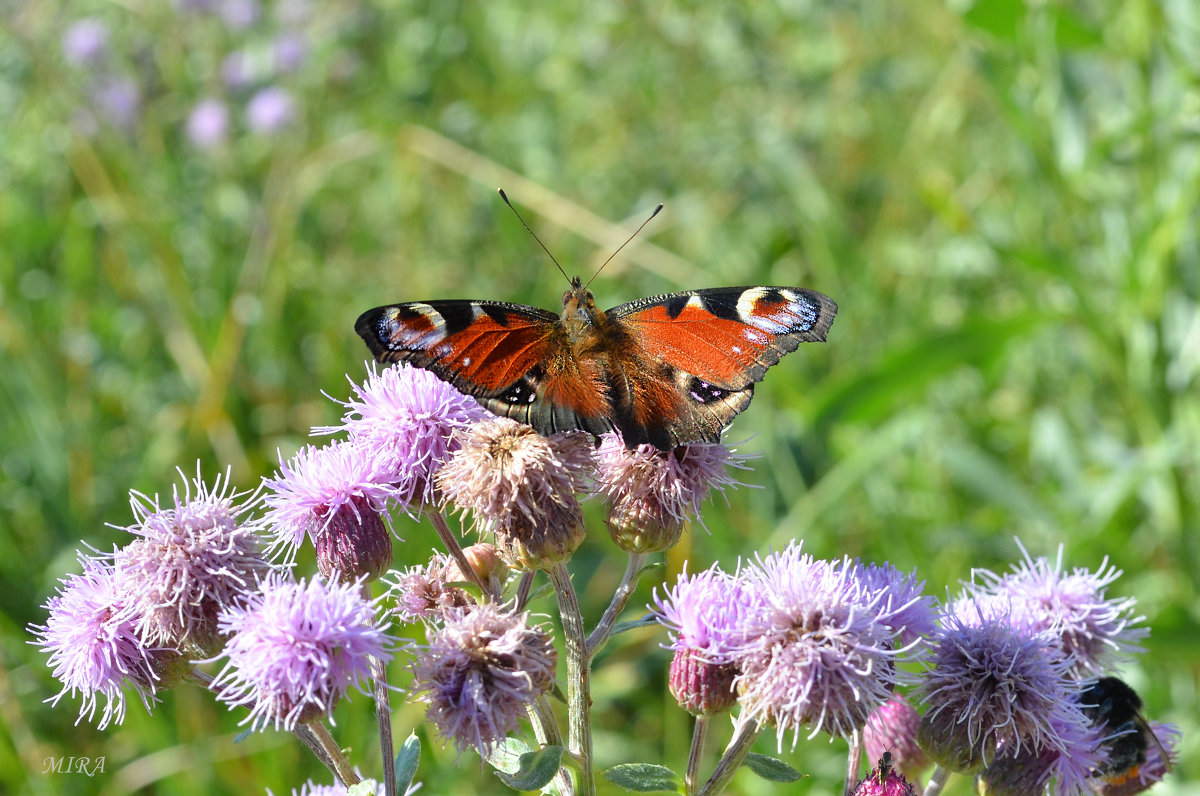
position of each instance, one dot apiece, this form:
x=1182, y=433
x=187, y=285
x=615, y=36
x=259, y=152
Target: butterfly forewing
x=512, y=358
x=728, y=336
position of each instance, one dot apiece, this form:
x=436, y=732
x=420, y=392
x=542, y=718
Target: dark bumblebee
x=1110, y=704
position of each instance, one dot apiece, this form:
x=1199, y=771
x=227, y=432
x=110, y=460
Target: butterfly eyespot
x=702, y=392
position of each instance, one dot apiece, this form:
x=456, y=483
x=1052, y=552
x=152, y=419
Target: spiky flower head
x=903, y=606
x=884, y=780
x=819, y=650
x=296, y=648
x=523, y=487
x=94, y=647
x=704, y=614
x=651, y=493
x=480, y=672
x=1063, y=771
x=992, y=684
x=190, y=560
x=1094, y=631
x=424, y=591
x=892, y=728
x=406, y=418
x=336, y=496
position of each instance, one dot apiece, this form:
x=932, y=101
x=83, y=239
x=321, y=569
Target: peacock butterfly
x=666, y=370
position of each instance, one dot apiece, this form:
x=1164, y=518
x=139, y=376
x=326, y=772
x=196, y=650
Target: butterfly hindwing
x=514, y=359
x=700, y=352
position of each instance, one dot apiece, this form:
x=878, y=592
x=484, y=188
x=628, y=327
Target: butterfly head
x=579, y=308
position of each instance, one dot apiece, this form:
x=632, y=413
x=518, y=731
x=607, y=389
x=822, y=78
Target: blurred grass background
x=1000, y=196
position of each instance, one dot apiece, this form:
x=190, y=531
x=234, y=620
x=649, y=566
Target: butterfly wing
x=698, y=354
x=514, y=359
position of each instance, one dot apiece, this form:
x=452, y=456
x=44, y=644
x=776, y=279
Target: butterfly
x=667, y=370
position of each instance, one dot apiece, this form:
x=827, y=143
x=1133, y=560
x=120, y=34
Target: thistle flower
x=189, y=561
x=480, y=672
x=406, y=418
x=1033, y=769
x=884, y=780
x=704, y=615
x=208, y=123
x=296, y=648
x=892, y=728
x=992, y=684
x=85, y=42
x=424, y=591
x=522, y=486
x=903, y=605
x=270, y=110
x=818, y=649
x=94, y=647
x=335, y=496
x=651, y=493
x=1095, y=632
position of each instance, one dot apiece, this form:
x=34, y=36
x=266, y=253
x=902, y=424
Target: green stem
x=937, y=781
x=699, y=734
x=625, y=590
x=579, y=699
x=745, y=734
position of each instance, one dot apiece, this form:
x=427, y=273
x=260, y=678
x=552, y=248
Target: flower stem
x=545, y=727
x=455, y=549
x=853, y=764
x=699, y=734
x=937, y=781
x=579, y=698
x=745, y=734
x=625, y=589
x=341, y=766
x=383, y=713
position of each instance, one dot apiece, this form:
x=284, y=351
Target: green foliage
x=1002, y=199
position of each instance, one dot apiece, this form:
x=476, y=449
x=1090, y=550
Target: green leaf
x=535, y=770
x=772, y=769
x=645, y=621
x=506, y=755
x=406, y=762
x=643, y=778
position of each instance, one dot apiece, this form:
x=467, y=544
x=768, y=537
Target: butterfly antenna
x=504, y=196
x=626, y=243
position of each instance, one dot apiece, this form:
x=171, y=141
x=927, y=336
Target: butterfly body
x=667, y=370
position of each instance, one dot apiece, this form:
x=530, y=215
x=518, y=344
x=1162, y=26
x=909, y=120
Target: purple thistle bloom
x=1033, y=770
x=208, y=123
x=651, y=493
x=407, y=418
x=190, y=561
x=522, y=486
x=85, y=42
x=892, y=728
x=290, y=52
x=904, y=607
x=1096, y=632
x=94, y=646
x=704, y=614
x=480, y=673
x=239, y=14
x=270, y=110
x=423, y=592
x=316, y=485
x=992, y=685
x=119, y=99
x=818, y=648
x=295, y=649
